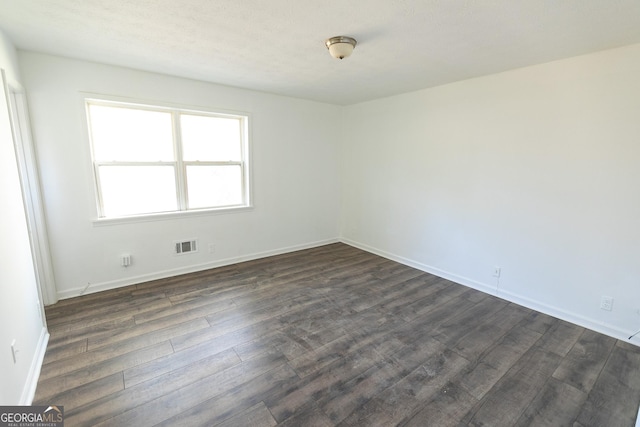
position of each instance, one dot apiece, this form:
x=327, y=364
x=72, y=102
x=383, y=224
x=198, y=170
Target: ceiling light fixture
x=341, y=46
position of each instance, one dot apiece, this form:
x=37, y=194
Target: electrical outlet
x=496, y=271
x=606, y=303
x=212, y=248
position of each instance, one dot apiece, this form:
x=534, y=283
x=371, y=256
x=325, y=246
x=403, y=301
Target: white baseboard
x=575, y=318
x=98, y=287
x=569, y=316
x=557, y=312
x=30, y=387
x=424, y=267
x=29, y=390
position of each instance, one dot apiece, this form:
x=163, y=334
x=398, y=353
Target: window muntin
x=150, y=159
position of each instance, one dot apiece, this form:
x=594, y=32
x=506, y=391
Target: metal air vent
x=186, y=247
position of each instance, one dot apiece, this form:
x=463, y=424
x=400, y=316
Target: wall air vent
x=186, y=247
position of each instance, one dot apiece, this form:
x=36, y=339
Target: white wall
x=535, y=170
x=532, y=170
x=295, y=178
x=20, y=312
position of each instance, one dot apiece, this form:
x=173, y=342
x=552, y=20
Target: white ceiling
x=277, y=46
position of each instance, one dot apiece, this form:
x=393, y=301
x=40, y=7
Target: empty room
x=365, y=213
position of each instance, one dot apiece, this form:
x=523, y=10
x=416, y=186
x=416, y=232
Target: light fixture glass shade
x=341, y=46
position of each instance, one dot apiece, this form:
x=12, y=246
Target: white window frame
x=179, y=165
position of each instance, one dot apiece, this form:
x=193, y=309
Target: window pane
x=210, y=138
x=212, y=186
x=126, y=134
x=130, y=190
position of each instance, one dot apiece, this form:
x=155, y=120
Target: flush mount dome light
x=341, y=46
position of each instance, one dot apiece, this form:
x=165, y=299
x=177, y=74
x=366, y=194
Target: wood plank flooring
x=331, y=336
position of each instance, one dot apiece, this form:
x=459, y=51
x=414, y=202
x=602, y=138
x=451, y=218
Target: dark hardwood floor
x=323, y=337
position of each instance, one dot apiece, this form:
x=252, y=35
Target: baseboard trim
x=557, y=312
x=423, y=267
x=104, y=286
x=568, y=316
x=29, y=390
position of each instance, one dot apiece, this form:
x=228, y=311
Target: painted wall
x=535, y=171
x=531, y=170
x=20, y=311
x=296, y=186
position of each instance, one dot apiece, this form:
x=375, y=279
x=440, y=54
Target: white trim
x=29, y=390
x=160, y=104
x=178, y=164
x=114, y=284
x=161, y=216
x=568, y=316
x=32, y=194
x=180, y=171
x=423, y=267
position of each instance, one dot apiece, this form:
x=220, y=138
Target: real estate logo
x=31, y=416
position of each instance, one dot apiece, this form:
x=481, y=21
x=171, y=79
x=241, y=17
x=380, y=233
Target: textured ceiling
x=277, y=46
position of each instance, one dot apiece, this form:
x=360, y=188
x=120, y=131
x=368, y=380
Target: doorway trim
x=32, y=193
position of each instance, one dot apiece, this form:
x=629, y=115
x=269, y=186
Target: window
x=150, y=159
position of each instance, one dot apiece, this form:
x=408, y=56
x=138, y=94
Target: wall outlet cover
x=606, y=303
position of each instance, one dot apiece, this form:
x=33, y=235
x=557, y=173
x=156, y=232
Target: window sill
x=163, y=216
